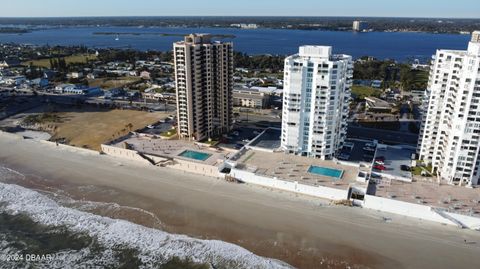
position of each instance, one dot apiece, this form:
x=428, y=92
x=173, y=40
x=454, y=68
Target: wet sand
x=302, y=231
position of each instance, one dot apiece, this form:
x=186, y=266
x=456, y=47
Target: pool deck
x=295, y=168
x=172, y=149
x=431, y=192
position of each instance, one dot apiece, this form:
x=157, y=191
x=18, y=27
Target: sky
x=367, y=8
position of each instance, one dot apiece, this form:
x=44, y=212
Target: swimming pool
x=199, y=156
x=324, y=171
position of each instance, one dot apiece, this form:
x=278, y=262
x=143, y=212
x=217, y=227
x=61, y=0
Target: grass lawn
x=77, y=58
x=360, y=92
x=90, y=127
x=111, y=83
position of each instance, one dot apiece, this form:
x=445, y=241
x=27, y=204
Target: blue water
x=200, y=156
x=323, y=171
x=398, y=46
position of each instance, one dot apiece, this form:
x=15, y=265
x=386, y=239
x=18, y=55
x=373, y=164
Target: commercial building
x=359, y=26
x=204, y=84
x=450, y=131
x=252, y=98
x=316, y=101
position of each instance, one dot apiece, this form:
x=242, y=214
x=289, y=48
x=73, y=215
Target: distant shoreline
x=157, y=34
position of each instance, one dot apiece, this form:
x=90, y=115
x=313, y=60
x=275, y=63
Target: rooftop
x=429, y=192
x=295, y=168
x=171, y=148
x=315, y=51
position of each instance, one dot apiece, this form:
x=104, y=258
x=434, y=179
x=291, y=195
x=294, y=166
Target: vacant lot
x=89, y=128
x=111, y=83
x=360, y=92
x=78, y=58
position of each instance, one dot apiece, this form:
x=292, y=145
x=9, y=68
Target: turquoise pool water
x=200, y=156
x=328, y=172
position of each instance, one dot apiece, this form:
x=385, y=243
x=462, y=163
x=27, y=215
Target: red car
x=379, y=167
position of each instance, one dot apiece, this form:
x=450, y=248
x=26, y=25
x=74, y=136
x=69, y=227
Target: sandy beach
x=302, y=231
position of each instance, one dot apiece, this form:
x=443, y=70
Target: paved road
x=391, y=137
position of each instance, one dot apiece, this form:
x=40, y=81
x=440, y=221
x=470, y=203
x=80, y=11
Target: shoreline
x=299, y=230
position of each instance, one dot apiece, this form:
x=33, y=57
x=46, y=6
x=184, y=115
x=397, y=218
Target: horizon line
x=228, y=16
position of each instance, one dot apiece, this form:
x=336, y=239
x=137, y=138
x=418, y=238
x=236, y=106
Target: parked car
x=379, y=167
x=379, y=162
x=371, y=145
x=368, y=149
x=404, y=167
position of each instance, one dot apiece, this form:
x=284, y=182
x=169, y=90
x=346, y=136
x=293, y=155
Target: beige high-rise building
x=204, y=84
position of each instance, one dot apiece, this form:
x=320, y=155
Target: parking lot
x=158, y=128
x=353, y=151
x=239, y=136
x=394, y=159
x=270, y=139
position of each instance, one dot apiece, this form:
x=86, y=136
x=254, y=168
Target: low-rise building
x=61, y=88
x=75, y=75
x=373, y=104
x=39, y=82
x=15, y=81
x=113, y=93
x=253, y=98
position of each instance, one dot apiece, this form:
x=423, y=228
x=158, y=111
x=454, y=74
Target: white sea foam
x=153, y=245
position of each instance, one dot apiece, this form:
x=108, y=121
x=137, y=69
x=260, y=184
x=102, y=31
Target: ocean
x=47, y=229
x=400, y=46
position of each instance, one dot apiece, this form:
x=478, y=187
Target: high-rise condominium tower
x=316, y=101
x=450, y=132
x=204, y=84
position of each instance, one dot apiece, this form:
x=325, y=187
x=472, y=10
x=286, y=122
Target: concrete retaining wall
x=196, y=168
x=123, y=153
x=404, y=208
x=470, y=222
x=316, y=191
x=191, y=167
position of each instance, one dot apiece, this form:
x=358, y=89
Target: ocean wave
x=154, y=246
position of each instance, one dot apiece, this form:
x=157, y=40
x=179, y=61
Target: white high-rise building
x=316, y=99
x=204, y=85
x=359, y=26
x=450, y=132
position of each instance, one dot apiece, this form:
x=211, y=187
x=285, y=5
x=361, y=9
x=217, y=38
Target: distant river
x=398, y=46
